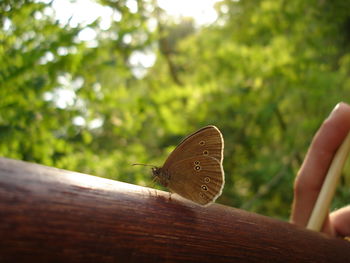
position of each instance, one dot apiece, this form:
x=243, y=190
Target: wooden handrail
x=53, y=215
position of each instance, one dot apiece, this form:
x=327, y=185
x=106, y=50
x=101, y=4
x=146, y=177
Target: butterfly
x=194, y=169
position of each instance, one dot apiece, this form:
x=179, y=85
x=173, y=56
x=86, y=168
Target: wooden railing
x=53, y=215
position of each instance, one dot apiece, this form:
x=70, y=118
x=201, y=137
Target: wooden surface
x=52, y=215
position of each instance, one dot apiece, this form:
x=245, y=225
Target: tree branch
x=53, y=215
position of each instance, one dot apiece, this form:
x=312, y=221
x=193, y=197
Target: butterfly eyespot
x=204, y=187
x=203, y=196
x=196, y=163
x=201, y=143
x=205, y=152
x=207, y=179
x=197, y=167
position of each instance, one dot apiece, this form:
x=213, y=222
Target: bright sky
x=86, y=11
x=202, y=11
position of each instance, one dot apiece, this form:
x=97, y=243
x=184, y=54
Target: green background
x=267, y=73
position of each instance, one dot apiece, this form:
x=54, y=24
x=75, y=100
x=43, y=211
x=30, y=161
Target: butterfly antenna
x=143, y=164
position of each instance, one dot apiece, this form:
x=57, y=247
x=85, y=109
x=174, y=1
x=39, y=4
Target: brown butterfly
x=194, y=169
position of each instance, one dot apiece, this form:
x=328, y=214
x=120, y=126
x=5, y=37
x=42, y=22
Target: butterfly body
x=194, y=169
x=161, y=176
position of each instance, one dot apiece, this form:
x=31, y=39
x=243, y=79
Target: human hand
x=311, y=175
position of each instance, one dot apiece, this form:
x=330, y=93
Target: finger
x=340, y=222
x=317, y=161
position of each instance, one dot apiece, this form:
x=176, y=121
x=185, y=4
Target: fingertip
x=341, y=109
x=340, y=221
x=317, y=161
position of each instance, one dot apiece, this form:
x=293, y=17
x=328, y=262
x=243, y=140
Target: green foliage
x=266, y=73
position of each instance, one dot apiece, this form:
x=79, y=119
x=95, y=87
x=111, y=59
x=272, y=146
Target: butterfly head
x=156, y=171
x=161, y=176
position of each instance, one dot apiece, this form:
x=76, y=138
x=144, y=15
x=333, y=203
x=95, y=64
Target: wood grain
x=53, y=215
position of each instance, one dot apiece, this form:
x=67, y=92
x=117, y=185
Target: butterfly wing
x=198, y=178
x=207, y=141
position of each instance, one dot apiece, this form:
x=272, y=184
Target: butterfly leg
x=152, y=192
x=154, y=180
x=149, y=192
x=169, y=198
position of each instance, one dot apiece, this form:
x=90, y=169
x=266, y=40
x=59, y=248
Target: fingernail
x=335, y=109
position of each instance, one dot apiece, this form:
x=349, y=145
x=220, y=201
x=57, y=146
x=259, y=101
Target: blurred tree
x=266, y=73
